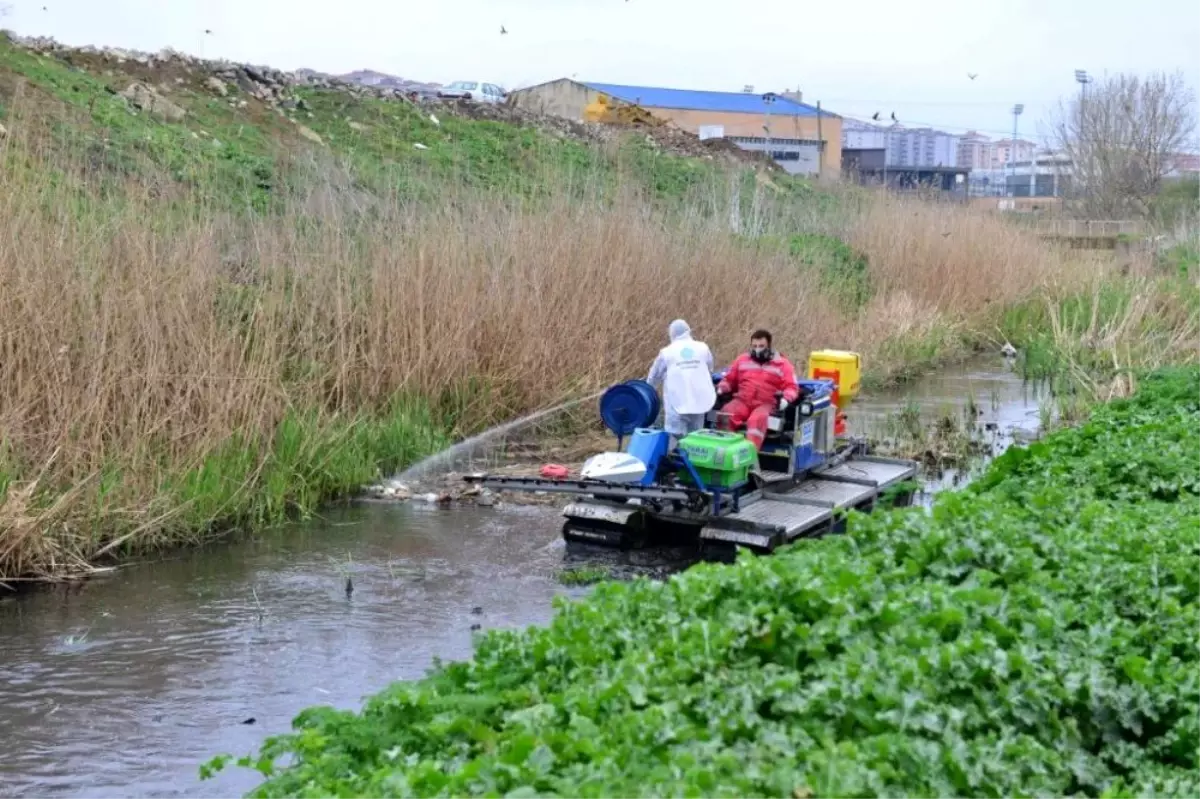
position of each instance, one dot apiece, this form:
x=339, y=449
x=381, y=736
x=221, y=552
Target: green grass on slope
x=231, y=158
x=235, y=151
x=1034, y=635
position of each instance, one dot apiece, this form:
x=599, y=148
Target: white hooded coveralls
x=684, y=368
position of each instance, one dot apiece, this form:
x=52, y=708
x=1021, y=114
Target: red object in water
x=553, y=471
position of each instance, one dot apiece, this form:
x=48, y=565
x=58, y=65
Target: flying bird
x=894, y=117
x=502, y=30
x=875, y=116
x=972, y=75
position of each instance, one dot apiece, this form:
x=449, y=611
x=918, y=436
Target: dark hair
x=760, y=333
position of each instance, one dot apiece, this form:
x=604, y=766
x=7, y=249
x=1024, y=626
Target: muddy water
x=123, y=686
x=983, y=400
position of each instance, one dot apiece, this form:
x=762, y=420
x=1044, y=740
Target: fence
x=1084, y=228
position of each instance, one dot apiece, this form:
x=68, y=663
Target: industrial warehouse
x=803, y=139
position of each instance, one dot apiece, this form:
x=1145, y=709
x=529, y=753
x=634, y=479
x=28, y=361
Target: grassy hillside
x=234, y=298
x=250, y=138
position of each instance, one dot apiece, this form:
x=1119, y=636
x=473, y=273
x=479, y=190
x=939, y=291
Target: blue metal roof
x=690, y=100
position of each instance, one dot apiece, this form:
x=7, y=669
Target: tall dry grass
x=135, y=342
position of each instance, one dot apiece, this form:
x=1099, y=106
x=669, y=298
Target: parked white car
x=478, y=91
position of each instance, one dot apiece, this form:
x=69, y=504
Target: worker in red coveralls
x=754, y=379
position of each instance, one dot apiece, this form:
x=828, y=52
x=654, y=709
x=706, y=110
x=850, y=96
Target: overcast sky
x=907, y=56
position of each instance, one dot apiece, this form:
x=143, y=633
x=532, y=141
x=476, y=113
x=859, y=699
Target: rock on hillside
x=152, y=78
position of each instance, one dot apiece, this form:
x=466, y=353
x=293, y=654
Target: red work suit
x=753, y=386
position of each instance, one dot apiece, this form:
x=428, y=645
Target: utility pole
x=887, y=144
x=1083, y=79
x=768, y=100
x=1012, y=150
x=820, y=143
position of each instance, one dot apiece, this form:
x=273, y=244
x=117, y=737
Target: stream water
x=123, y=685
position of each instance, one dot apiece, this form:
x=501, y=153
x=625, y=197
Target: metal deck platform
x=781, y=514
x=879, y=473
x=831, y=494
x=773, y=477
x=767, y=523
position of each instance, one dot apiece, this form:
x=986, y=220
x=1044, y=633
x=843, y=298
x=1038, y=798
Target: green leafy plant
x=583, y=575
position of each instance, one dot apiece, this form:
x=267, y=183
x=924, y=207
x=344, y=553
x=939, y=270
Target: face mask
x=759, y=353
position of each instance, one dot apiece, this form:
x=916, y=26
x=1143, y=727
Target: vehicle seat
x=789, y=415
x=717, y=422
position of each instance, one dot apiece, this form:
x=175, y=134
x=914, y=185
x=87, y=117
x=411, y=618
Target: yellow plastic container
x=846, y=365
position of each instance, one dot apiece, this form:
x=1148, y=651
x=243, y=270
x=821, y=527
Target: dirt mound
x=666, y=137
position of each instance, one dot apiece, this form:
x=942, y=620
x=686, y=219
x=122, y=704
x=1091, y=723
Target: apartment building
x=904, y=147
x=1007, y=150
x=921, y=147
x=975, y=151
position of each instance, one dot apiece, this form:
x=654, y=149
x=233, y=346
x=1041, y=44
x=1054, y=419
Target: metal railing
x=1085, y=228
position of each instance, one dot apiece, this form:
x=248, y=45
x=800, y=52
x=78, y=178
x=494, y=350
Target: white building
x=1046, y=175
x=918, y=147
x=905, y=147
x=975, y=151
x=1011, y=149
x=858, y=135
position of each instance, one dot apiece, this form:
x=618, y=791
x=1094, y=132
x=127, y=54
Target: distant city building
x=904, y=147
x=903, y=158
x=858, y=135
x=975, y=151
x=1183, y=165
x=1044, y=175
x=921, y=147
x=1011, y=149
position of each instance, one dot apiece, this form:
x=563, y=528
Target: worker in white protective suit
x=684, y=369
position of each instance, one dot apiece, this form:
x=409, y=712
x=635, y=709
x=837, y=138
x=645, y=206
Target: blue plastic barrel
x=627, y=406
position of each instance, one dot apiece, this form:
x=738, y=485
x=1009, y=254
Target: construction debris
x=267, y=84
x=664, y=137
